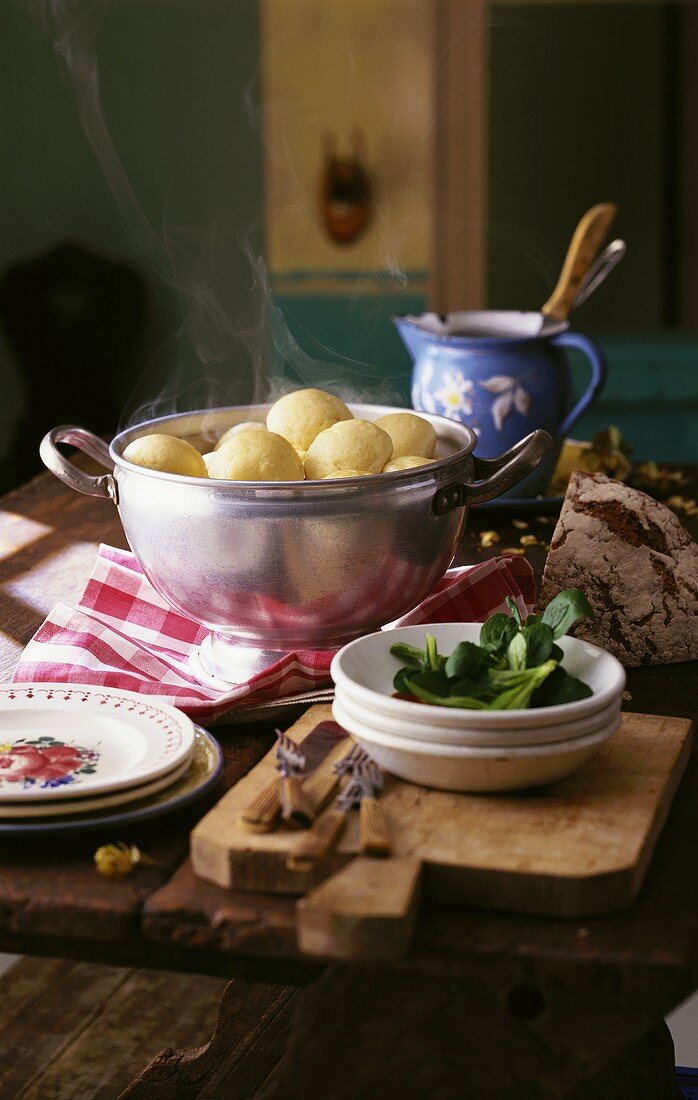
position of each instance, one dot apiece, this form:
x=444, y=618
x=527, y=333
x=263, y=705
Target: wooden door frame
x=459, y=156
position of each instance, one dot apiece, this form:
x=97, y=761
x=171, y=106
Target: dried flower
x=681, y=504
x=658, y=480
x=118, y=860
x=530, y=540
x=608, y=453
x=488, y=538
x=520, y=524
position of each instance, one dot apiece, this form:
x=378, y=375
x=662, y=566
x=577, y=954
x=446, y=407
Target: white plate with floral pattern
x=68, y=740
x=67, y=807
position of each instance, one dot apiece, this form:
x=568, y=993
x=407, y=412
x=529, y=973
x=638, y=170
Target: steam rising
x=233, y=345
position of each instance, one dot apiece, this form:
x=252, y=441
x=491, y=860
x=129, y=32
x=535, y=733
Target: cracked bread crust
x=635, y=563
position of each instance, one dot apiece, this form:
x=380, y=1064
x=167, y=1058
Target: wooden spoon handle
x=296, y=807
x=318, y=842
x=263, y=810
x=374, y=834
x=585, y=243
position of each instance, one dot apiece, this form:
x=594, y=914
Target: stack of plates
x=471, y=750
x=78, y=757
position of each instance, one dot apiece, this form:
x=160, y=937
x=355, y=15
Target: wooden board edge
x=561, y=896
x=211, y=857
x=329, y=924
x=664, y=809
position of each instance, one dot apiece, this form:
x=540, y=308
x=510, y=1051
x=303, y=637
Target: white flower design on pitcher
x=421, y=396
x=452, y=392
x=511, y=394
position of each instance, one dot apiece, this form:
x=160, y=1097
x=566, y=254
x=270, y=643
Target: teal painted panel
x=357, y=338
x=651, y=394
x=660, y=435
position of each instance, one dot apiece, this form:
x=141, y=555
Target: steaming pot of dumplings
x=295, y=525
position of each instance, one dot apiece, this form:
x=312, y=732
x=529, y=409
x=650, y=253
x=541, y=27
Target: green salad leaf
x=565, y=609
x=558, y=688
x=467, y=661
x=516, y=664
x=539, y=643
x=517, y=650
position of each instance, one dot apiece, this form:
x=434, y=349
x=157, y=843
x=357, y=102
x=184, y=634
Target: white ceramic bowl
x=423, y=731
x=474, y=769
x=364, y=671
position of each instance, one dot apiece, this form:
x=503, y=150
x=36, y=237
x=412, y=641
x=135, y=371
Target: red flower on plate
x=45, y=761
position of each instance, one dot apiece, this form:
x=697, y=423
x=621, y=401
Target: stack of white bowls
x=472, y=750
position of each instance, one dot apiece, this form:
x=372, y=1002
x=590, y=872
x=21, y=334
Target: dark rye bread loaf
x=635, y=563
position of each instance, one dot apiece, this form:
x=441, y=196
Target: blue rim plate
x=183, y=791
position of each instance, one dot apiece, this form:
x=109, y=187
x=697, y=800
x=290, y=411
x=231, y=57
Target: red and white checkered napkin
x=123, y=635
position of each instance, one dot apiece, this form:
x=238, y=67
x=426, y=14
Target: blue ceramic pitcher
x=503, y=373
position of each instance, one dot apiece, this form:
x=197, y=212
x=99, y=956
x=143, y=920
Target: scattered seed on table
x=489, y=538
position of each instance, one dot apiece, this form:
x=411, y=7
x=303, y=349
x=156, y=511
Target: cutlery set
x=309, y=802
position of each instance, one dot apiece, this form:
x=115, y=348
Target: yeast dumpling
x=300, y=416
x=344, y=473
x=348, y=445
x=411, y=434
x=256, y=456
x=245, y=426
x=405, y=462
x=166, y=453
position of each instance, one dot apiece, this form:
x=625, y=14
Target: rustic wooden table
x=485, y=1004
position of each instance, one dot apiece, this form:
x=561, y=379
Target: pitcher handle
x=599, y=370
x=495, y=475
x=103, y=485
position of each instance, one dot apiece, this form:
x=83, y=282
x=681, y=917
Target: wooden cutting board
x=577, y=848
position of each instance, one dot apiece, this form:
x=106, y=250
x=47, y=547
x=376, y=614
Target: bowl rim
x=438, y=716
x=414, y=475
x=424, y=733
x=477, y=752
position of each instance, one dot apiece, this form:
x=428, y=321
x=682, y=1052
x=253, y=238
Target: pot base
x=225, y=663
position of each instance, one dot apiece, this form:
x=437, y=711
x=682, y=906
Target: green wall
x=176, y=77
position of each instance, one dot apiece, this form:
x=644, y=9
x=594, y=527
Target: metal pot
x=286, y=565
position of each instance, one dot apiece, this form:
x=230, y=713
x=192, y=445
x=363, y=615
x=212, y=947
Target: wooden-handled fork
x=284, y=794
x=321, y=839
x=361, y=790
x=374, y=834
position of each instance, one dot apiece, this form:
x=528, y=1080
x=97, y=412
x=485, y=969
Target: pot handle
x=495, y=475
x=102, y=486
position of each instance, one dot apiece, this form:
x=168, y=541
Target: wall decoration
x=345, y=192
